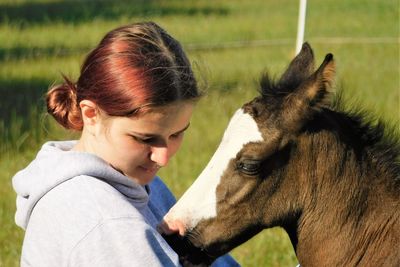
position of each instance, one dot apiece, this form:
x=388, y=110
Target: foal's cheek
x=235, y=189
x=222, y=193
x=230, y=183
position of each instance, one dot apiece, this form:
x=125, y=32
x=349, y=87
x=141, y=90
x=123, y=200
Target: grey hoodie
x=79, y=211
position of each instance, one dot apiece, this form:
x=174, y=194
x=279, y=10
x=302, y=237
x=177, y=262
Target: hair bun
x=62, y=105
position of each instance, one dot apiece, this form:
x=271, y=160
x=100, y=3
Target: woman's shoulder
x=84, y=201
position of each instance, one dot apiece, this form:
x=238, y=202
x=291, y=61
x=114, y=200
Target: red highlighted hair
x=134, y=67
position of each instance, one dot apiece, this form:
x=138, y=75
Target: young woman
x=97, y=201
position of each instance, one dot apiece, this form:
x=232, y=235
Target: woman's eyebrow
x=184, y=129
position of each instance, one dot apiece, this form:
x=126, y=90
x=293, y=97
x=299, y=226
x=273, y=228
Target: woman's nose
x=160, y=155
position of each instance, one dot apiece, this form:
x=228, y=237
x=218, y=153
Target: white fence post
x=301, y=25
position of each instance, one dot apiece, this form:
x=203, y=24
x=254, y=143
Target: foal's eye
x=249, y=167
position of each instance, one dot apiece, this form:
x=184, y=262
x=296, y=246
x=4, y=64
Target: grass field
x=230, y=44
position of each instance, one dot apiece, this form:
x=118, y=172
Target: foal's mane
x=369, y=132
x=271, y=87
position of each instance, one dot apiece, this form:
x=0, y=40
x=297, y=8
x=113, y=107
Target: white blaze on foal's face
x=199, y=201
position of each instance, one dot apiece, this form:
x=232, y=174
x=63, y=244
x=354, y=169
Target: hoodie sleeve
x=123, y=242
x=225, y=261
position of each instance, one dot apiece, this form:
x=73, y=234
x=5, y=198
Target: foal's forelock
x=200, y=200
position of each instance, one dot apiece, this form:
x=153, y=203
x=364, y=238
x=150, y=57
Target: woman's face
x=139, y=146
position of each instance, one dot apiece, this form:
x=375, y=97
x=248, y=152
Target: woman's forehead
x=159, y=119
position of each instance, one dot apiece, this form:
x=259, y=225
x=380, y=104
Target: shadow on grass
x=21, y=105
x=73, y=11
x=21, y=108
x=24, y=122
x=19, y=97
x=23, y=52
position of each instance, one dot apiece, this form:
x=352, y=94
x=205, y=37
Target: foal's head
x=240, y=192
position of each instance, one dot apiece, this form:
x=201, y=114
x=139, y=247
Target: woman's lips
x=150, y=169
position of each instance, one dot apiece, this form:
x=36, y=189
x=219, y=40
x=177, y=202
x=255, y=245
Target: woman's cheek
x=176, y=145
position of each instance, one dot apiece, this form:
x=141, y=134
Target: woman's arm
x=122, y=242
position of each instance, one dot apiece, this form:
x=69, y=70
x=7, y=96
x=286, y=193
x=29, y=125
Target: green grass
x=42, y=38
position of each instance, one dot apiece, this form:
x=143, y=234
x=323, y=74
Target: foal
x=293, y=159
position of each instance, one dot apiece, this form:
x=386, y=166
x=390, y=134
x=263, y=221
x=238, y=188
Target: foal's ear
x=312, y=95
x=317, y=89
x=299, y=69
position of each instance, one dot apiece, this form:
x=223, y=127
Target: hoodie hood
x=56, y=163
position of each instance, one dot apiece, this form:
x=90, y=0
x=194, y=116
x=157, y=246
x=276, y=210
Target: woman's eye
x=148, y=140
x=177, y=135
x=154, y=140
x=144, y=140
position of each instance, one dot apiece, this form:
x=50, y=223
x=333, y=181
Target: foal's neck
x=349, y=217
x=373, y=241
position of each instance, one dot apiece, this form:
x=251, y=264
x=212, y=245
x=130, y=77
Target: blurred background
x=230, y=44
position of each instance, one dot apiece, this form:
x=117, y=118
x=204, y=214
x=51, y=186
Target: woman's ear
x=90, y=115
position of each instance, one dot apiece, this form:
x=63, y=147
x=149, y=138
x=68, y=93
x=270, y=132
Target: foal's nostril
x=181, y=227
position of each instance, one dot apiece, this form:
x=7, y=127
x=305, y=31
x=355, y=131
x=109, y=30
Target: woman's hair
x=134, y=68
